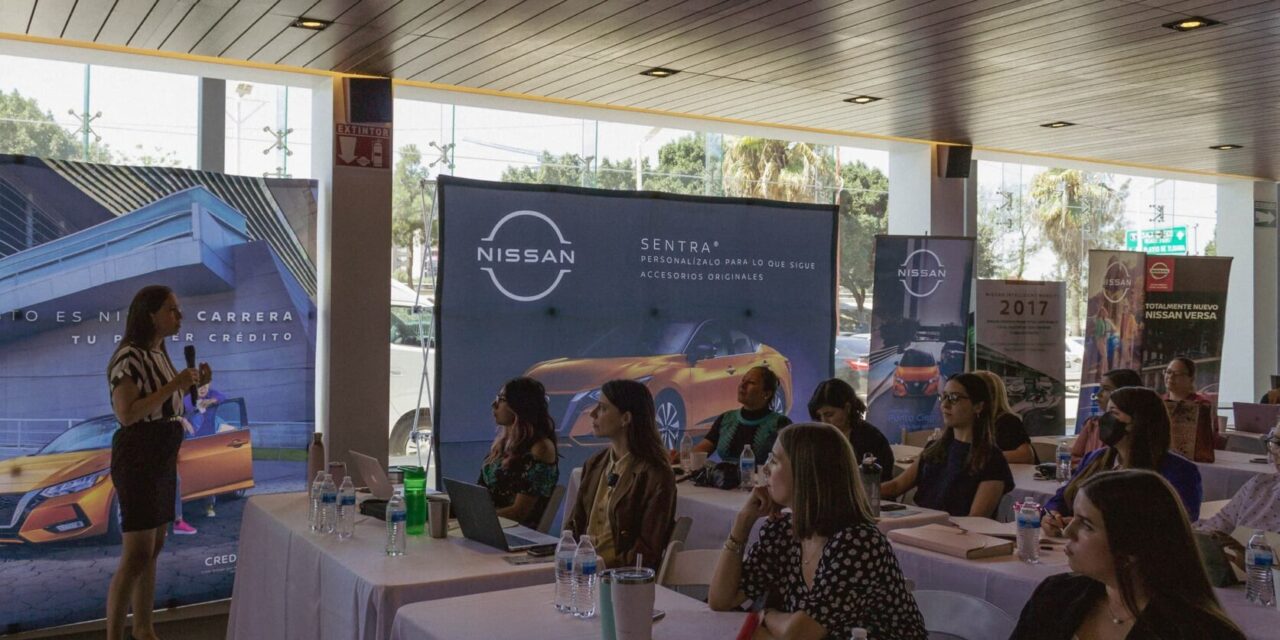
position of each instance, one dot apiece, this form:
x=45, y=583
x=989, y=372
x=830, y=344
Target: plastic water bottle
x=686, y=453
x=564, y=571
x=1063, y=455
x=1029, y=532
x=1259, y=557
x=328, y=516
x=871, y=482
x=346, y=509
x=747, y=469
x=313, y=513
x=395, y=525
x=584, y=579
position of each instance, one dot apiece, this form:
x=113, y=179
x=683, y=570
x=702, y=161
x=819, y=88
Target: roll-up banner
x=1021, y=331
x=918, y=328
x=1113, y=326
x=76, y=242
x=576, y=287
x=1186, y=301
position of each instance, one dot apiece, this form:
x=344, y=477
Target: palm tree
x=1078, y=211
x=778, y=170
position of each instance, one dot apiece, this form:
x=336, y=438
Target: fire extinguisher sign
x=360, y=145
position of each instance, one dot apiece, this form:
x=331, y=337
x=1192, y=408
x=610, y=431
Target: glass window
x=161, y=130
x=268, y=130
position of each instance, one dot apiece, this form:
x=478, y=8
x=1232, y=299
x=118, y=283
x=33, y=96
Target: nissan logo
x=525, y=255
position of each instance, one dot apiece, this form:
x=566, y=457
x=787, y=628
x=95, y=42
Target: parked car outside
x=64, y=491
x=852, y=360
x=692, y=368
x=411, y=328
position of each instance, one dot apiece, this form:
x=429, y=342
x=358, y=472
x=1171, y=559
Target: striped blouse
x=150, y=369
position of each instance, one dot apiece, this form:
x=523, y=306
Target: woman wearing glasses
x=1136, y=432
x=1257, y=504
x=963, y=472
x=824, y=568
x=521, y=469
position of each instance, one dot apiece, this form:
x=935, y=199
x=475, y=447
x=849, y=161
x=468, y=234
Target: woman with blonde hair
x=825, y=566
x=1011, y=435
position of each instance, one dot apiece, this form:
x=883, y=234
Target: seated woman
x=1011, y=436
x=824, y=565
x=627, y=502
x=522, y=467
x=1136, y=571
x=836, y=403
x=1257, y=504
x=1136, y=432
x=1087, y=439
x=962, y=472
x=755, y=424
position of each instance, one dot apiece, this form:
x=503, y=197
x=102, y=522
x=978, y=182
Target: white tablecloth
x=1008, y=583
x=527, y=614
x=291, y=583
x=1228, y=472
x=713, y=511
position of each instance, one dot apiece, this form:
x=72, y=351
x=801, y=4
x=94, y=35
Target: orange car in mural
x=64, y=491
x=692, y=369
x=916, y=374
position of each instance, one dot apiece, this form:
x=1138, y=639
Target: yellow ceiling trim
x=264, y=66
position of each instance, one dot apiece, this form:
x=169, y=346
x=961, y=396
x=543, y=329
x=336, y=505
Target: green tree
x=1077, y=211
x=683, y=168
x=26, y=129
x=864, y=201
x=567, y=169
x=410, y=192
x=989, y=261
x=778, y=170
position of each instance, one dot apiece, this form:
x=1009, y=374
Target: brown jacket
x=641, y=511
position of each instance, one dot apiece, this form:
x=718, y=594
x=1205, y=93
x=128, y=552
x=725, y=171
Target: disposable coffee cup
x=632, y=593
x=699, y=459
x=438, y=516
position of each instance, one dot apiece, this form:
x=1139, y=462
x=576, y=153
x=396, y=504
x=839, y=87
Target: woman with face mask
x=1136, y=432
x=1135, y=570
x=1087, y=440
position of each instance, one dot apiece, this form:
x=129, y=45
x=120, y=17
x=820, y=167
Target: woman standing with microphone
x=146, y=397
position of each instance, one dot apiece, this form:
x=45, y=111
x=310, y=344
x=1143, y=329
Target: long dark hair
x=984, y=442
x=826, y=488
x=139, y=330
x=528, y=400
x=1122, y=378
x=1149, y=431
x=836, y=393
x=643, y=439
x=1167, y=566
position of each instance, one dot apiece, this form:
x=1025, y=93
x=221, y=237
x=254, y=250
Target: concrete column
x=1266, y=285
x=921, y=202
x=211, y=137
x=354, y=246
x=1235, y=231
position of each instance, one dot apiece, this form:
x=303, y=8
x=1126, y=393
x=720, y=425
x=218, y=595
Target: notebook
x=952, y=541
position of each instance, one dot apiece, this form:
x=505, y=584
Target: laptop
x=479, y=520
x=375, y=477
x=1255, y=418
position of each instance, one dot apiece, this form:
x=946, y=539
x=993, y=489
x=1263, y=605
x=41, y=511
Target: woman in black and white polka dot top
x=824, y=568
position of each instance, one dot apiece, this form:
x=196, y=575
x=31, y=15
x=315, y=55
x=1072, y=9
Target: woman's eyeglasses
x=953, y=398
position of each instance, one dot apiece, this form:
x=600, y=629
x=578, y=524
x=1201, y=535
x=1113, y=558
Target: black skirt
x=144, y=470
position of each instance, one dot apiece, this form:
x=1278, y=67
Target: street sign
x=1166, y=241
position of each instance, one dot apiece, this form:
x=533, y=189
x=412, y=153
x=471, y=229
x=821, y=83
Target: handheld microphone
x=190, y=352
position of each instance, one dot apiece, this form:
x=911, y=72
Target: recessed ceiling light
x=311, y=23
x=862, y=99
x=1189, y=24
x=660, y=72
x=1226, y=147
x=1058, y=124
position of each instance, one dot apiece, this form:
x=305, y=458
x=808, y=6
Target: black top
x=950, y=486
x=1060, y=604
x=758, y=428
x=1010, y=434
x=866, y=438
x=857, y=582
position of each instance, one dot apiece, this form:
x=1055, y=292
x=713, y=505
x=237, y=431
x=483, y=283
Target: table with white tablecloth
x=527, y=614
x=713, y=511
x=1008, y=583
x=1229, y=470
x=292, y=583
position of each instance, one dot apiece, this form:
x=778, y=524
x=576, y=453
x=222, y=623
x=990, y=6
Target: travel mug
x=605, y=606
x=438, y=516
x=632, y=593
